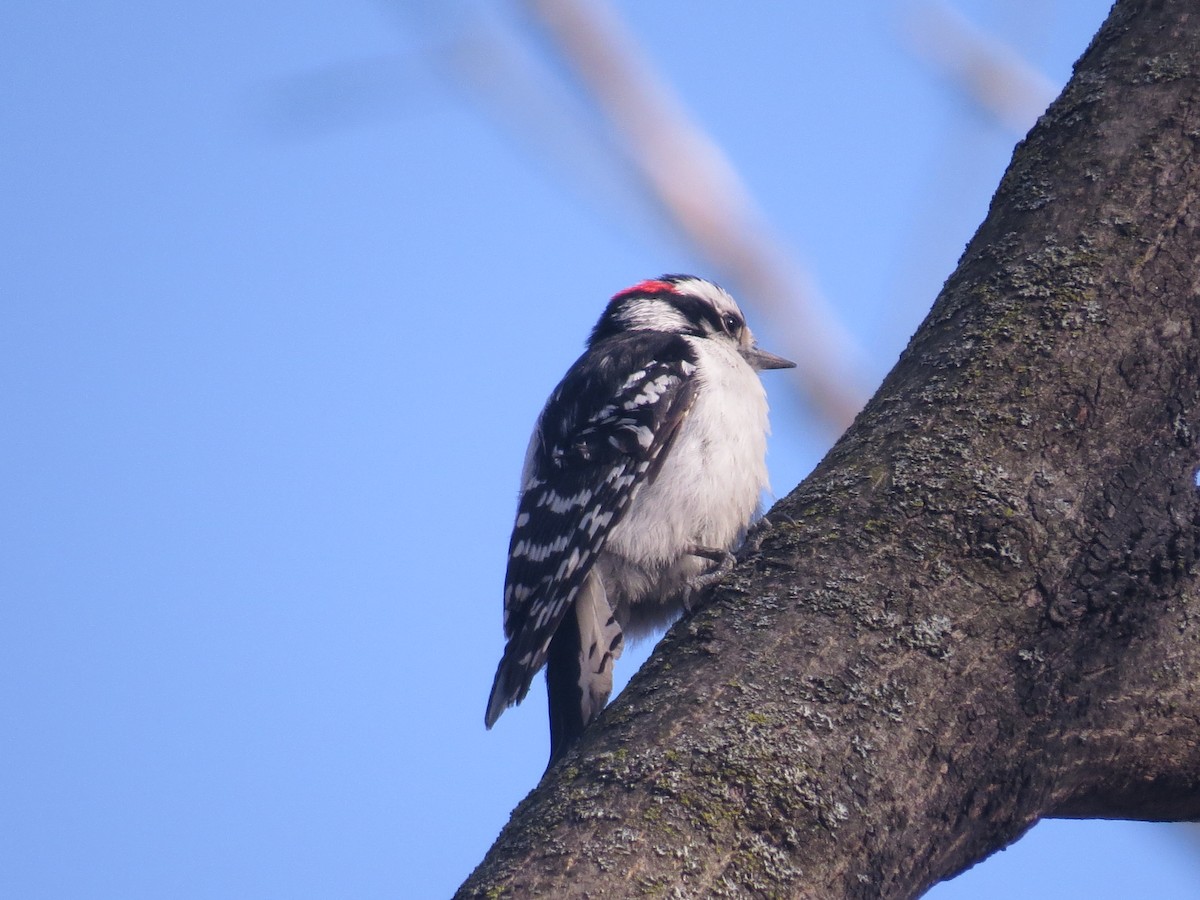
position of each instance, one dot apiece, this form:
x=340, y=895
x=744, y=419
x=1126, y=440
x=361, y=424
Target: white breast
x=710, y=484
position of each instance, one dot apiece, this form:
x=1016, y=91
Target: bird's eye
x=732, y=323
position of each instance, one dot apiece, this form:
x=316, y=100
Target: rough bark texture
x=984, y=607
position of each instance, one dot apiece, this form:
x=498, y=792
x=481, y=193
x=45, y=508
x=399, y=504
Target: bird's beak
x=761, y=359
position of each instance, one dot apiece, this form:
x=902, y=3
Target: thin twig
x=986, y=70
x=705, y=198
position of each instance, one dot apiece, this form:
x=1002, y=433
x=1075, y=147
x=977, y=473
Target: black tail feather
x=563, y=688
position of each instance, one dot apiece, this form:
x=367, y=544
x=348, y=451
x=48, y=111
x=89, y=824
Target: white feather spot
x=541, y=552
x=634, y=378
x=559, y=504
x=594, y=521
x=651, y=391
x=568, y=565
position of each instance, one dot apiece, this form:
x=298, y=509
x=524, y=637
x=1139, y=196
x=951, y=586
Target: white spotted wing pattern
x=582, y=472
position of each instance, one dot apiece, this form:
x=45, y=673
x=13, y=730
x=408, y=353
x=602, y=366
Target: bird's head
x=684, y=304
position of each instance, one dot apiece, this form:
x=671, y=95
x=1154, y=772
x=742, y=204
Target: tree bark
x=982, y=608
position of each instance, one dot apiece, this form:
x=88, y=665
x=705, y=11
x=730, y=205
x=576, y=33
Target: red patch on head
x=649, y=287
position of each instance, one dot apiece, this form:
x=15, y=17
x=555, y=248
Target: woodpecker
x=646, y=467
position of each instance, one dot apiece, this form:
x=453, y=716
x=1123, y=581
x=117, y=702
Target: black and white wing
x=583, y=469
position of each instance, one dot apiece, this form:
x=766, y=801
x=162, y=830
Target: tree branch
x=983, y=608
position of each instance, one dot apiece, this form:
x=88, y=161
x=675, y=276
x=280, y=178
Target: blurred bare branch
x=705, y=199
x=986, y=70
x=643, y=153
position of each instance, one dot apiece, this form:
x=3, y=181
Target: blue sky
x=281, y=297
